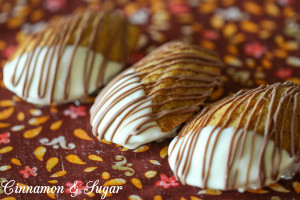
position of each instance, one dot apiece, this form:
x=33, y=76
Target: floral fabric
x=258, y=41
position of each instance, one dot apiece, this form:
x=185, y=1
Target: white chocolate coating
x=76, y=90
x=217, y=175
x=149, y=100
x=119, y=134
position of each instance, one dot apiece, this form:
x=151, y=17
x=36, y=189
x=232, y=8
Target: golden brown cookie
x=71, y=57
x=246, y=141
x=149, y=100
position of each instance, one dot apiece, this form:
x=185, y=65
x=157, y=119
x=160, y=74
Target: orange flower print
x=75, y=188
x=75, y=112
x=284, y=73
x=27, y=172
x=55, y=5
x=4, y=138
x=286, y=2
x=255, y=49
x=210, y=35
x=9, y=51
x=179, y=8
x=166, y=182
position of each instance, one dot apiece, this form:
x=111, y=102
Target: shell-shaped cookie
x=246, y=141
x=71, y=57
x=149, y=100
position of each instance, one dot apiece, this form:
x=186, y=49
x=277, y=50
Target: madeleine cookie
x=70, y=58
x=149, y=100
x=246, y=141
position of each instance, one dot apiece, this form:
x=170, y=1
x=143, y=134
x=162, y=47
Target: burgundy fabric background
x=258, y=42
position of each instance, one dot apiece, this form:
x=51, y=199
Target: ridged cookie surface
x=246, y=141
x=149, y=100
x=71, y=57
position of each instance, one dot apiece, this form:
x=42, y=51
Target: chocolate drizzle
x=269, y=110
x=176, y=79
x=104, y=32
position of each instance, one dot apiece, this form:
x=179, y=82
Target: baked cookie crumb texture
x=246, y=141
x=149, y=100
x=71, y=57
